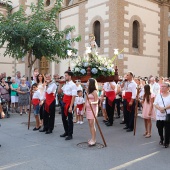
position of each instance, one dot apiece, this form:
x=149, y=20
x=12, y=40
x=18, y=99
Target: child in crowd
x=103, y=108
x=80, y=106
x=37, y=101
x=148, y=111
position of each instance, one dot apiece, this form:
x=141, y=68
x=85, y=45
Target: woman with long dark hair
x=148, y=111
x=41, y=87
x=92, y=93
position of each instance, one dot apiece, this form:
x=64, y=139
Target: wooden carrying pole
x=29, y=114
x=96, y=121
x=136, y=110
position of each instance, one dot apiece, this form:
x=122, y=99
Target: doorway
x=44, y=65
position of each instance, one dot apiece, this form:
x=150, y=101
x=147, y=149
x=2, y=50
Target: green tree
x=35, y=35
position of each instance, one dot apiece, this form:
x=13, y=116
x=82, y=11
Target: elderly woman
x=23, y=99
x=14, y=95
x=162, y=105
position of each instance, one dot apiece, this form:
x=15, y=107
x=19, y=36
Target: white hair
x=13, y=78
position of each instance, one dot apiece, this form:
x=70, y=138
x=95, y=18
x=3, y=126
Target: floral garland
x=99, y=65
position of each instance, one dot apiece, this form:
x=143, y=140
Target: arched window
x=68, y=37
x=47, y=3
x=135, y=35
x=169, y=30
x=96, y=28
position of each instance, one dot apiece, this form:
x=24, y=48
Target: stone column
x=164, y=10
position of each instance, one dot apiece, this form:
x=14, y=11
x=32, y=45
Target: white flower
x=85, y=64
x=83, y=71
x=77, y=69
x=94, y=70
x=104, y=69
x=110, y=69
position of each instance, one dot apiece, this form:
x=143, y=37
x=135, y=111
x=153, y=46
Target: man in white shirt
x=49, y=107
x=70, y=92
x=109, y=89
x=155, y=87
x=129, y=101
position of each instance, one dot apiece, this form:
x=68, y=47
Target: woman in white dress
x=41, y=88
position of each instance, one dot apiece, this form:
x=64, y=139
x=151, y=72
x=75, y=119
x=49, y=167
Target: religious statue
x=92, y=43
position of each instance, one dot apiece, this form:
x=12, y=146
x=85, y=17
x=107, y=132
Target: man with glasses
x=129, y=87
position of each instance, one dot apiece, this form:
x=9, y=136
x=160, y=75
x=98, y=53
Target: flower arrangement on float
x=99, y=66
x=94, y=65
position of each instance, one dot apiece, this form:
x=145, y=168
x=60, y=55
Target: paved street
x=24, y=149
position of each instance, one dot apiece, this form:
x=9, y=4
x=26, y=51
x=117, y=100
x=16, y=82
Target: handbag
x=167, y=119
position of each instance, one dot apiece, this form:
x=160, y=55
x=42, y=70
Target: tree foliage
x=35, y=35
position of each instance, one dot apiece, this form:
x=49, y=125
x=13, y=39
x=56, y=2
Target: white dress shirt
x=155, y=88
x=158, y=101
x=107, y=86
x=79, y=100
x=51, y=88
x=70, y=89
x=79, y=87
x=130, y=86
x=37, y=95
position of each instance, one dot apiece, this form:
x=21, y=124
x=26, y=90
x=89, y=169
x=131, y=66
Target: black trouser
x=129, y=115
x=117, y=102
x=41, y=111
x=110, y=111
x=49, y=118
x=163, y=125
x=67, y=122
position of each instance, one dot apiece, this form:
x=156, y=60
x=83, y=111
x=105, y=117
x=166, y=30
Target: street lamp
x=116, y=53
x=69, y=53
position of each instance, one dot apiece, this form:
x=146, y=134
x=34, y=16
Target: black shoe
x=48, y=132
x=117, y=117
x=109, y=124
x=63, y=135
x=122, y=122
x=161, y=142
x=42, y=130
x=36, y=128
x=125, y=128
x=68, y=138
x=105, y=121
x=129, y=130
x=166, y=145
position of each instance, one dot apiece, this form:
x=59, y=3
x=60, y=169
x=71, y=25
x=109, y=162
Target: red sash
x=111, y=95
x=128, y=97
x=67, y=101
x=35, y=102
x=80, y=106
x=49, y=99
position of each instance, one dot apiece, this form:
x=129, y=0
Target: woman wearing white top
x=162, y=104
x=41, y=88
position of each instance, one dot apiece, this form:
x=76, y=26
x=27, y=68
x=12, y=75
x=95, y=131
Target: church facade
x=140, y=28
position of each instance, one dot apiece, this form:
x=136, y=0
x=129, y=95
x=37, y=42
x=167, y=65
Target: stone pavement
x=24, y=149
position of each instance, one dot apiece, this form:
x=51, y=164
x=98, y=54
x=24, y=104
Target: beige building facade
x=140, y=27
